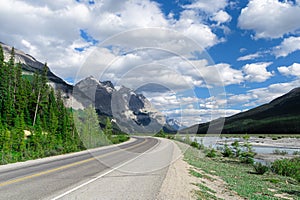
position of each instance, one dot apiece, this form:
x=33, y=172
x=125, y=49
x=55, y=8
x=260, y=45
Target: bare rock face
x=132, y=111
x=174, y=124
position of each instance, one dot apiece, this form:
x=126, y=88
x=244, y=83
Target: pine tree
x=24, y=103
x=8, y=87
x=38, y=138
x=41, y=90
x=7, y=147
x=108, y=128
x=19, y=144
x=20, y=91
x=2, y=77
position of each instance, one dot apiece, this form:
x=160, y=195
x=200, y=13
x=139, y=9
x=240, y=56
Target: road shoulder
x=178, y=183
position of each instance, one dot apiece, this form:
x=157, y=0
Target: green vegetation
x=227, y=152
x=279, y=152
x=296, y=153
x=247, y=156
x=234, y=164
x=287, y=167
x=211, y=152
x=161, y=134
x=279, y=125
x=260, y=168
x=241, y=177
x=205, y=192
x=115, y=139
x=34, y=122
x=195, y=144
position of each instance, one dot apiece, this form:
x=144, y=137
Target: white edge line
x=100, y=176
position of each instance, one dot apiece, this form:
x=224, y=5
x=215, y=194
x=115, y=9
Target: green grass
x=197, y=174
x=115, y=139
x=205, y=193
x=28, y=77
x=241, y=177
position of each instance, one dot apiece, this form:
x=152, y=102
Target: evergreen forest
x=34, y=121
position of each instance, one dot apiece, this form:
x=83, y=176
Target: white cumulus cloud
x=257, y=72
x=293, y=70
x=50, y=30
x=270, y=18
x=221, y=17
x=287, y=46
x=249, y=56
x=207, y=5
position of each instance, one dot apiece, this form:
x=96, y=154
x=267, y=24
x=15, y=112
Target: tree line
x=34, y=122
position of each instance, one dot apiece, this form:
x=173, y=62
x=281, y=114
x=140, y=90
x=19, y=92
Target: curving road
x=132, y=170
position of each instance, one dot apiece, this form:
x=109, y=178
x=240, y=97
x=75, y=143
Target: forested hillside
x=280, y=116
x=34, y=121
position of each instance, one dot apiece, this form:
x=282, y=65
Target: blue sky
x=216, y=57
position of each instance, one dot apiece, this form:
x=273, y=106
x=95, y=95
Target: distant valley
x=280, y=116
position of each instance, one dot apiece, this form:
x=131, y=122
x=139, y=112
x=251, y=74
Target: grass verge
x=241, y=178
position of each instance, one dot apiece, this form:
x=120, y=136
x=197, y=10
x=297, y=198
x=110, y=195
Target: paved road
x=134, y=170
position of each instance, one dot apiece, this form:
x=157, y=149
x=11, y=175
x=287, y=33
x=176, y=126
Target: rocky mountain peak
x=88, y=81
x=174, y=124
x=108, y=84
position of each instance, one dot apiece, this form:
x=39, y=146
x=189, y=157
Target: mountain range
x=130, y=112
x=280, y=116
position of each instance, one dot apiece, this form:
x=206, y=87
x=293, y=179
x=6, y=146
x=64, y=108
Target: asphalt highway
x=63, y=176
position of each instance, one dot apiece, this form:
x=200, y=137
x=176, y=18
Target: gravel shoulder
x=181, y=184
x=178, y=183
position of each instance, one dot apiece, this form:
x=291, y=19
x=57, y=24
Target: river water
x=259, y=148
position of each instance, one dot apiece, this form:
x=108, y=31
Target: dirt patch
x=178, y=183
x=216, y=184
x=281, y=195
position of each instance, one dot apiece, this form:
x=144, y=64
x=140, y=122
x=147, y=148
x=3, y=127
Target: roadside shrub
x=247, y=156
x=171, y=137
x=201, y=145
x=212, y=153
x=296, y=153
x=195, y=144
x=119, y=138
x=236, y=148
x=51, y=152
x=161, y=134
x=287, y=167
x=227, y=152
x=260, y=168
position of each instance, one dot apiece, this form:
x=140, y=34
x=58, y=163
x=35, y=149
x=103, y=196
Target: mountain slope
x=128, y=109
x=30, y=65
x=280, y=116
x=131, y=111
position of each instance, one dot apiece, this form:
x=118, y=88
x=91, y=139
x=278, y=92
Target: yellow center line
x=67, y=166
